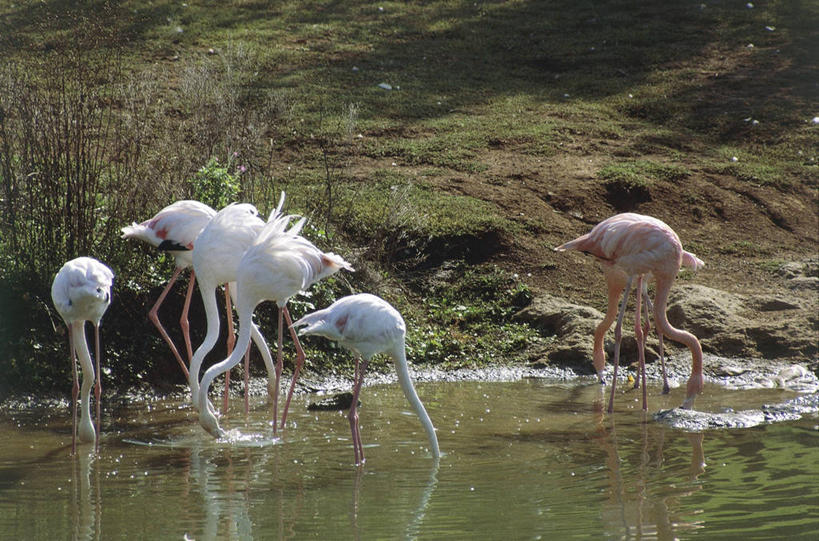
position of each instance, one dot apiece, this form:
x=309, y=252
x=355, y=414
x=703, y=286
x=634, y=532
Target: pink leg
x=666, y=388
x=279, y=362
x=247, y=380
x=362, y=369
x=154, y=317
x=299, y=362
x=231, y=341
x=618, y=334
x=640, y=338
x=644, y=326
x=75, y=390
x=183, y=319
x=98, y=386
x=615, y=282
x=650, y=308
x=358, y=449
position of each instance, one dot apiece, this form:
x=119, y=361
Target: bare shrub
x=59, y=140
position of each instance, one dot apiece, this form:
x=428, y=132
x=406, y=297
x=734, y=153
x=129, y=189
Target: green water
x=523, y=460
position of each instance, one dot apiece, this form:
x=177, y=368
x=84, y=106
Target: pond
x=525, y=459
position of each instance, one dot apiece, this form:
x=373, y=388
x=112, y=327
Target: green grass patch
x=771, y=266
x=744, y=248
x=635, y=177
x=465, y=320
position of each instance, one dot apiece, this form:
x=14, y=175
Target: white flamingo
x=174, y=230
x=368, y=325
x=81, y=292
x=278, y=265
x=216, y=256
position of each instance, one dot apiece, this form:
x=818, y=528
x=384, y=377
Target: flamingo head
x=693, y=388
x=209, y=422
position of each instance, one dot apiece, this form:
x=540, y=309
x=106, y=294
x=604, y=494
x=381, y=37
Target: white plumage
x=81, y=292
x=278, y=265
x=216, y=256
x=368, y=325
x=364, y=324
x=174, y=229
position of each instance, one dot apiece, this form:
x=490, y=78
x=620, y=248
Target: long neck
x=242, y=343
x=208, y=292
x=86, y=430
x=400, y=357
x=663, y=288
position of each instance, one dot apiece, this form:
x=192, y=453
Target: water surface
x=522, y=460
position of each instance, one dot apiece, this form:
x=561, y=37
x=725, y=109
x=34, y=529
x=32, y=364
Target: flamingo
x=368, y=325
x=174, y=229
x=636, y=246
x=278, y=265
x=615, y=283
x=216, y=256
x=81, y=292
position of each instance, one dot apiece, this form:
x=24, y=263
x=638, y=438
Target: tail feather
x=296, y=229
x=581, y=244
x=571, y=245
x=274, y=214
x=130, y=230
x=334, y=260
x=691, y=261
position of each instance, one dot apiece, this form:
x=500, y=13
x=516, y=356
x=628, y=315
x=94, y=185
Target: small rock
x=776, y=305
x=790, y=373
x=339, y=402
x=729, y=370
x=385, y=86
x=805, y=282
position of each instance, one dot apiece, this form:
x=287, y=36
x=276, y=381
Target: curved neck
x=242, y=343
x=86, y=430
x=208, y=293
x=400, y=357
x=684, y=337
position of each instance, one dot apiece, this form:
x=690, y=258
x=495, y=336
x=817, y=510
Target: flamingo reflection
x=639, y=502
x=415, y=524
x=86, y=505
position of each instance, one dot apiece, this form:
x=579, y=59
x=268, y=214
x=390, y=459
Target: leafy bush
x=214, y=185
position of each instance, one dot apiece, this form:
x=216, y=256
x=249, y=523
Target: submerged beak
x=688, y=403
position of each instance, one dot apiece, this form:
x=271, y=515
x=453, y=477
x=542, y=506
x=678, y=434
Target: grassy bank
x=444, y=146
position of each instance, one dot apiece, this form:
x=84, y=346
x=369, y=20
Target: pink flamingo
x=278, y=264
x=636, y=246
x=174, y=230
x=368, y=325
x=81, y=292
x=615, y=283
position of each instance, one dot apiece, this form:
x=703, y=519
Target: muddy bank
x=731, y=373
x=782, y=324
x=697, y=421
